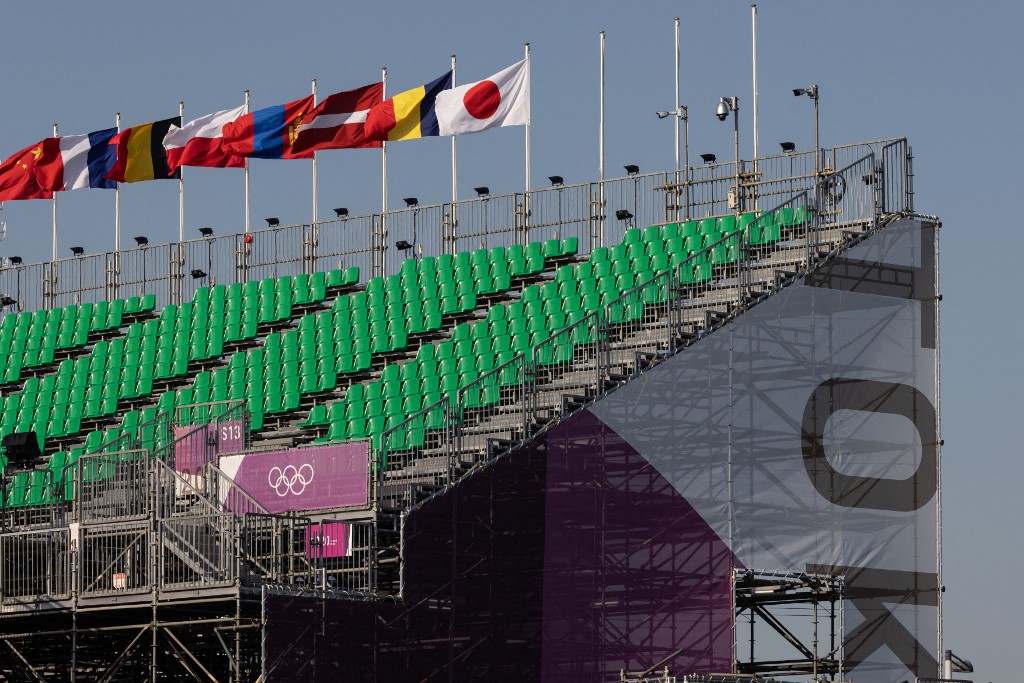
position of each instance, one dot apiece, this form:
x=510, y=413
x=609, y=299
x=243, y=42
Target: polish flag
x=337, y=122
x=200, y=142
x=501, y=100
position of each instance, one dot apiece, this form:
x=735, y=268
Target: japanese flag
x=501, y=100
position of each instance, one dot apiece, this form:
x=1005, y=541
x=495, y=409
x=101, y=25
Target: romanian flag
x=18, y=178
x=268, y=133
x=141, y=154
x=407, y=115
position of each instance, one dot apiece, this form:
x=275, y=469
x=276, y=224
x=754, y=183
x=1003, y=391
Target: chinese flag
x=18, y=178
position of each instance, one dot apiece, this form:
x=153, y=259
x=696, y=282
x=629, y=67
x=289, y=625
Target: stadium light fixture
x=198, y=274
x=482, y=191
x=6, y=301
x=402, y=245
x=623, y=215
x=206, y=232
x=709, y=158
x=273, y=221
x=632, y=169
x=787, y=147
x=411, y=202
x=341, y=212
x=15, y=260
x=812, y=92
x=556, y=180
x=77, y=251
x=142, y=240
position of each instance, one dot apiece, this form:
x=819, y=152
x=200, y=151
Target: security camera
x=723, y=111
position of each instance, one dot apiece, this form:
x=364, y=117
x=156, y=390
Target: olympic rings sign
x=290, y=479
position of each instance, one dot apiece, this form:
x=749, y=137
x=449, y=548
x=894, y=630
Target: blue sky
x=943, y=74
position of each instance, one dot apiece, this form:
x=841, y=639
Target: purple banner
x=194, y=446
x=327, y=539
x=303, y=479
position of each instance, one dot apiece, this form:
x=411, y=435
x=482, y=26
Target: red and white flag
x=337, y=122
x=200, y=142
x=501, y=100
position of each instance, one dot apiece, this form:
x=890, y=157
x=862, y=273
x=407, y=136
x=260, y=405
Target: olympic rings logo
x=290, y=480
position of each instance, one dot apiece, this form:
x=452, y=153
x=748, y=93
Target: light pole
x=725, y=105
x=812, y=92
x=680, y=113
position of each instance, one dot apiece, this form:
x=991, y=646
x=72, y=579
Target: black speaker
x=22, y=448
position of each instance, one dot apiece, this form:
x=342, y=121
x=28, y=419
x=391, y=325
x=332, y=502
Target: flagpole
x=247, y=173
x=55, y=212
x=181, y=182
x=677, y=118
x=117, y=196
x=455, y=189
x=753, y=21
x=384, y=181
x=526, y=192
x=313, y=81
x=600, y=149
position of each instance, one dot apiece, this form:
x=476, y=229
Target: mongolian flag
x=268, y=133
x=141, y=154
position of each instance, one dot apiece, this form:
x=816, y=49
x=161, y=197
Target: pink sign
x=327, y=539
x=194, y=446
x=303, y=478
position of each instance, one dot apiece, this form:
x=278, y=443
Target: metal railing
x=114, y=559
x=35, y=563
x=370, y=241
x=341, y=556
x=112, y=487
x=491, y=410
x=415, y=453
x=197, y=551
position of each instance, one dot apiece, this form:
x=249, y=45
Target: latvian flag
x=337, y=122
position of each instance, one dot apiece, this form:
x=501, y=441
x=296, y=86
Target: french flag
x=268, y=133
x=200, y=142
x=73, y=162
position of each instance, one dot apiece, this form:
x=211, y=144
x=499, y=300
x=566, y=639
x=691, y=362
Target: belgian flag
x=141, y=154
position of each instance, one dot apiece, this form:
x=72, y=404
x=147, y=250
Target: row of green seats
x=31, y=339
x=378, y=320
x=125, y=368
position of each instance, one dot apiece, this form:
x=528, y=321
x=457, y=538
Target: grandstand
x=476, y=367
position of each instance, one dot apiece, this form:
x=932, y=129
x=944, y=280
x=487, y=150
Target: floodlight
x=198, y=274
x=6, y=301
x=623, y=215
x=273, y=222
x=411, y=201
x=402, y=245
x=787, y=146
x=16, y=260
x=142, y=240
x=631, y=169
x=556, y=180
x=663, y=114
x=341, y=212
x=77, y=251
x=482, y=191
x=709, y=158
x=206, y=232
